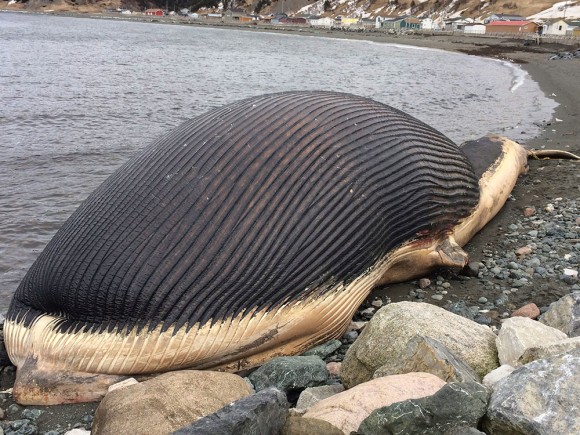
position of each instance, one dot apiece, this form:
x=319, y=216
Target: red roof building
x=154, y=12
x=511, y=27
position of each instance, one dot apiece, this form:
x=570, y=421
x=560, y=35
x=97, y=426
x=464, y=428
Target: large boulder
x=309, y=426
x=262, y=413
x=497, y=375
x=454, y=406
x=290, y=373
x=550, y=350
x=348, y=409
x=168, y=402
x=564, y=315
x=538, y=398
x=518, y=334
x=427, y=355
x=387, y=335
x=313, y=395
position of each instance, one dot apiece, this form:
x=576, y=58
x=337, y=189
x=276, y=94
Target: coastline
x=546, y=180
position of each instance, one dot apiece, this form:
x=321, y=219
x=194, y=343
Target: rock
x=356, y=326
x=262, y=413
x=333, y=369
x=368, y=313
x=524, y=250
x=350, y=336
x=455, y=405
x=461, y=309
x=520, y=333
x=471, y=269
x=313, y=395
x=529, y=211
x=21, y=427
x=427, y=355
x=437, y=297
x=290, y=373
x=538, y=398
x=530, y=311
x=496, y=375
x=124, y=383
x=78, y=431
x=393, y=326
x=549, y=350
x=309, y=426
x=482, y=300
x=167, y=402
x=348, y=409
x=424, y=282
x=377, y=303
x=464, y=430
x=31, y=414
x=324, y=349
x=564, y=315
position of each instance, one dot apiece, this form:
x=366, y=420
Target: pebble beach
x=529, y=254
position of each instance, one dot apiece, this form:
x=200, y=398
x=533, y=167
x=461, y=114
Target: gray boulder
x=313, y=395
x=262, y=413
x=549, y=350
x=564, y=315
x=538, y=398
x=324, y=349
x=455, y=405
x=387, y=335
x=290, y=373
x=427, y=355
x=518, y=334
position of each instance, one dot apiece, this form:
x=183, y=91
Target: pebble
x=529, y=211
x=530, y=310
x=424, y=282
x=437, y=297
x=350, y=336
x=482, y=300
x=524, y=250
x=446, y=285
x=377, y=303
x=368, y=313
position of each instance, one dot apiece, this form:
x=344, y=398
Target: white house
x=556, y=27
x=325, y=22
x=474, y=28
x=430, y=24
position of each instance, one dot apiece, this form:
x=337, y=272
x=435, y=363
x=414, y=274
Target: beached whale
x=252, y=231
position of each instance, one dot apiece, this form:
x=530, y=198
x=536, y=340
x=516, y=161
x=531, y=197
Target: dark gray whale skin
x=252, y=205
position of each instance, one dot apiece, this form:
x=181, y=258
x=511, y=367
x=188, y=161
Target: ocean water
x=78, y=97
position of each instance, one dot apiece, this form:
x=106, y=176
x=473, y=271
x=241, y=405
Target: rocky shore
x=456, y=352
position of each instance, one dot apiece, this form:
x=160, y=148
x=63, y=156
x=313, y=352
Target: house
x=347, y=22
x=154, y=12
x=406, y=22
x=457, y=24
x=325, y=22
x=558, y=27
x=511, y=27
x=474, y=29
x=368, y=23
x=503, y=17
x=430, y=24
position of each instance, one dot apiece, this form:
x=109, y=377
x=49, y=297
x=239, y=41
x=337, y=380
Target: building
x=519, y=27
x=503, y=17
x=559, y=27
x=402, y=23
x=325, y=22
x=457, y=24
x=154, y=12
x=474, y=29
x=430, y=24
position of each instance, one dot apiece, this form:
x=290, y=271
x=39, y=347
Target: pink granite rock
x=348, y=409
x=333, y=369
x=530, y=310
x=529, y=211
x=524, y=250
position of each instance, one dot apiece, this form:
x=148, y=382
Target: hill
x=477, y=9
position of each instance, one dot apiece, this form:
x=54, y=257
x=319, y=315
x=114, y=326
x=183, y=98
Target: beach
x=548, y=182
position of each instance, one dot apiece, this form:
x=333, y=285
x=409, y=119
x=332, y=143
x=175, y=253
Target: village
x=514, y=26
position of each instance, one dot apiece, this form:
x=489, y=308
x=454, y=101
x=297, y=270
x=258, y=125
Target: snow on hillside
x=569, y=9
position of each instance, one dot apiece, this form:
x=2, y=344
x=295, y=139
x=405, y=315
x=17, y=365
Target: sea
x=80, y=96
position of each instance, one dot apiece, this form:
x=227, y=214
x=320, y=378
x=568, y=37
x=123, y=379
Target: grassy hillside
x=353, y=8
